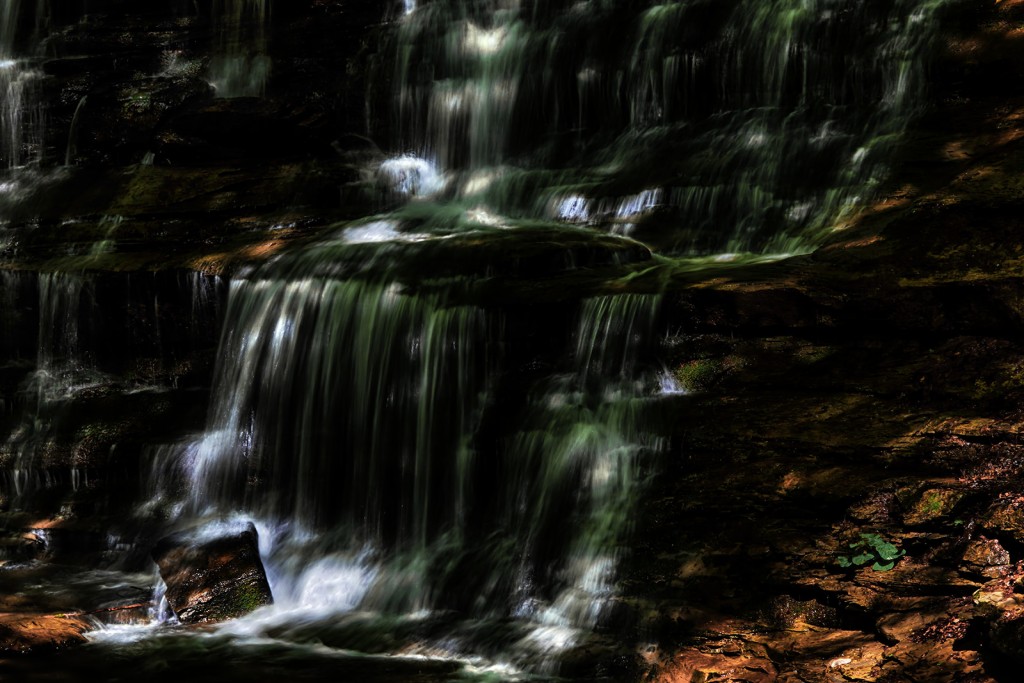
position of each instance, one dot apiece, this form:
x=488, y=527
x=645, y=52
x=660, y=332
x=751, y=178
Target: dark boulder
x=213, y=573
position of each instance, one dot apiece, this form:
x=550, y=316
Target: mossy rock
x=931, y=505
x=213, y=573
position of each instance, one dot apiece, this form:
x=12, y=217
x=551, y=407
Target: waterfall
x=240, y=65
x=21, y=116
x=583, y=432
x=72, y=147
x=62, y=368
x=11, y=317
x=458, y=80
x=85, y=326
x=381, y=375
x=353, y=419
x=108, y=225
x=760, y=125
x=60, y=354
x=11, y=84
x=360, y=413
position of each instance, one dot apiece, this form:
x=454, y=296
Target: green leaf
x=887, y=551
x=875, y=550
x=863, y=558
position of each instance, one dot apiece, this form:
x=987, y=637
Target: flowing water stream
x=732, y=126
x=240, y=65
x=375, y=488
x=23, y=113
x=21, y=116
x=446, y=482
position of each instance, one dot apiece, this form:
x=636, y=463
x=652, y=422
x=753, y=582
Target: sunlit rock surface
x=23, y=634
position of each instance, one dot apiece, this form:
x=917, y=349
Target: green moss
x=1006, y=382
x=702, y=374
x=932, y=505
x=246, y=599
x=699, y=375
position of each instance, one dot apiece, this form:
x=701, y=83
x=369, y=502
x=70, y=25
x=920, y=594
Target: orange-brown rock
x=694, y=666
x=23, y=633
x=213, y=573
x=986, y=557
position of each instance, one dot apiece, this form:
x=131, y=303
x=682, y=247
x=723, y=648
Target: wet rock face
x=141, y=166
x=140, y=68
x=213, y=574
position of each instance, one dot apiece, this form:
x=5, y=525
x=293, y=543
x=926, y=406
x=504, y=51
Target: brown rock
x=932, y=505
x=213, y=573
x=899, y=626
x=22, y=633
x=693, y=666
x=985, y=557
x=993, y=602
x=1006, y=519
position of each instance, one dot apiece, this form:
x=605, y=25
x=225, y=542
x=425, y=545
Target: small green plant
x=875, y=549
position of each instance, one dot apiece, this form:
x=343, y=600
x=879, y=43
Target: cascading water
x=346, y=420
x=80, y=346
x=72, y=146
x=584, y=431
x=369, y=359
x=741, y=125
x=61, y=369
x=354, y=416
x=21, y=116
x=240, y=65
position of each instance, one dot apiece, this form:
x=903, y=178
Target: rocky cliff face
x=870, y=388
x=139, y=156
